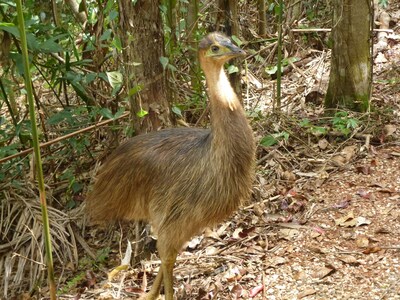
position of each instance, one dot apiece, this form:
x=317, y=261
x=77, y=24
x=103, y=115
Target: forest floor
x=330, y=231
x=343, y=243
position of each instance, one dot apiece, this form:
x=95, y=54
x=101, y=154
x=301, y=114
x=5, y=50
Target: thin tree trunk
x=262, y=19
x=143, y=44
x=230, y=10
x=192, y=23
x=350, y=77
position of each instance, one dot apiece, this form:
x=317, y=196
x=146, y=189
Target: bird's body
x=183, y=179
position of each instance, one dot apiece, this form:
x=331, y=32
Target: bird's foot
x=150, y=296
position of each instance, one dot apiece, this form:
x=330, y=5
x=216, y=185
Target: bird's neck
x=229, y=125
x=221, y=93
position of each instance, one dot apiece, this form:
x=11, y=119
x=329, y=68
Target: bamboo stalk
x=42, y=192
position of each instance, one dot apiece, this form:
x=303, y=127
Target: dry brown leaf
x=324, y=271
x=211, y=234
x=289, y=234
x=255, y=291
x=389, y=129
x=362, y=221
x=372, y=250
x=349, y=259
x=346, y=221
x=380, y=58
x=234, y=274
x=237, y=290
x=323, y=144
x=305, y=293
x=362, y=242
x=211, y=250
x=236, y=233
x=195, y=242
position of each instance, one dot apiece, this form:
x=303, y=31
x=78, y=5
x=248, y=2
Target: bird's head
x=218, y=48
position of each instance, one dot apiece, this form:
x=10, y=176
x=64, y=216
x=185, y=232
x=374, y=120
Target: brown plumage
x=183, y=179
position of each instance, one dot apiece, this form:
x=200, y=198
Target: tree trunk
x=192, y=23
x=229, y=8
x=350, y=77
x=143, y=43
x=262, y=18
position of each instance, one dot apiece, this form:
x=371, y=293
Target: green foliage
x=340, y=122
x=384, y=3
x=343, y=123
x=313, y=129
x=285, y=62
x=273, y=139
x=85, y=264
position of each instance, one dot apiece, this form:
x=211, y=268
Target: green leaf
x=59, y=117
x=76, y=187
x=136, y=89
x=114, y=78
x=232, y=69
x=10, y=28
x=119, y=112
x=318, y=130
x=116, y=43
x=113, y=15
x=271, y=70
x=50, y=46
x=142, y=113
x=176, y=110
x=105, y=112
x=268, y=140
x=106, y=35
x=305, y=123
x=164, y=61
x=237, y=40
x=90, y=77
x=352, y=123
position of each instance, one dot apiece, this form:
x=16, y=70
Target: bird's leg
x=167, y=265
x=168, y=256
x=155, y=289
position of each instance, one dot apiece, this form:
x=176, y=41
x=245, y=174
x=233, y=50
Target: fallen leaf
x=324, y=271
x=322, y=144
x=348, y=152
x=237, y=290
x=255, y=291
x=319, y=230
x=389, y=129
x=116, y=271
x=195, y=242
x=380, y=58
x=372, y=250
x=362, y=242
x=343, y=204
x=289, y=234
x=233, y=274
x=278, y=261
x=236, y=233
x=349, y=259
x=346, y=221
x=362, y=221
x=211, y=250
x=366, y=170
x=305, y=293
x=382, y=230
x=363, y=194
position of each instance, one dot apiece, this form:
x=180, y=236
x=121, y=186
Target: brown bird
x=182, y=180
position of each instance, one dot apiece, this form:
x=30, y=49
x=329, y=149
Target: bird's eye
x=214, y=48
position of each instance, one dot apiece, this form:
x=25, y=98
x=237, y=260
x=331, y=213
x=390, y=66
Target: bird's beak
x=235, y=51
